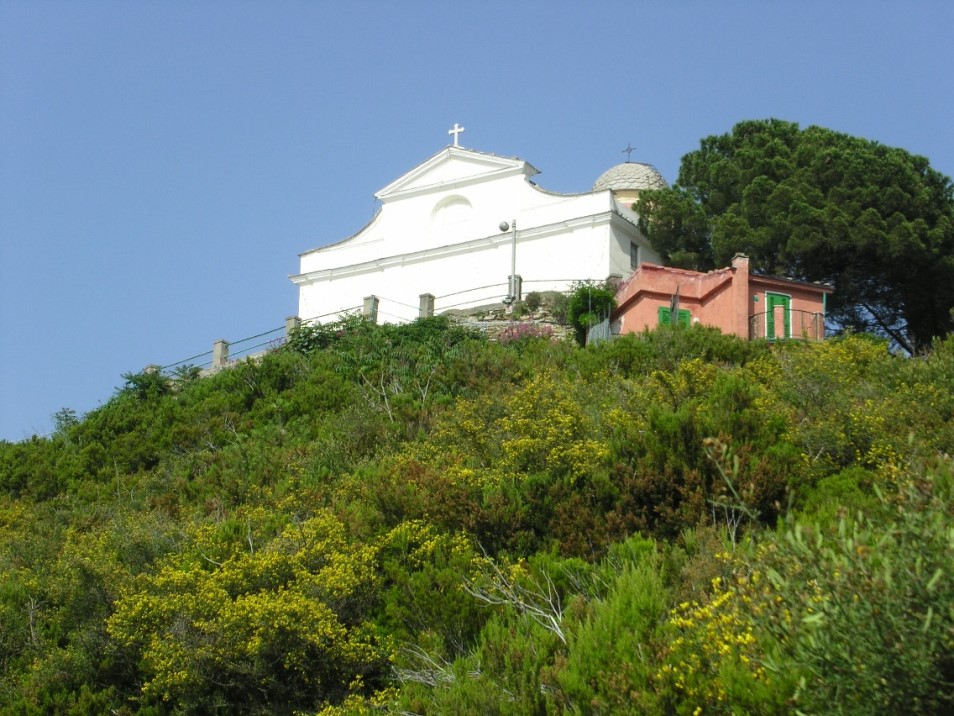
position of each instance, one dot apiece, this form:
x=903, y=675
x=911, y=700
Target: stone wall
x=495, y=318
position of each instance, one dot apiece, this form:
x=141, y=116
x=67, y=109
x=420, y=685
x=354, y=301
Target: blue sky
x=162, y=164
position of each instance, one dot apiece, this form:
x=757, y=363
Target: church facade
x=448, y=232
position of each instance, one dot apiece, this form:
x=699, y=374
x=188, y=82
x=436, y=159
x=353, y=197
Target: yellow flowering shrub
x=282, y=619
x=712, y=661
x=359, y=705
x=546, y=429
x=690, y=379
x=421, y=592
x=542, y=427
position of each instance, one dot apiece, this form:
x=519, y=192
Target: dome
x=630, y=176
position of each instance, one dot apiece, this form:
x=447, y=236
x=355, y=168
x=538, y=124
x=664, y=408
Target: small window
x=633, y=255
x=684, y=316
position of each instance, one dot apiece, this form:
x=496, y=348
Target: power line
x=313, y=319
x=469, y=290
x=249, y=350
x=250, y=338
x=391, y=300
x=185, y=360
x=385, y=313
x=455, y=305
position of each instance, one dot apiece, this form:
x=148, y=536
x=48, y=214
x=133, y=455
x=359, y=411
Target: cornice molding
x=483, y=243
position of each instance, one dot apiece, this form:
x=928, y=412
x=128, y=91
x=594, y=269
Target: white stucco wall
x=438, y=232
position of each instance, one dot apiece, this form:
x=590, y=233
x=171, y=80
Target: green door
x=771, y=301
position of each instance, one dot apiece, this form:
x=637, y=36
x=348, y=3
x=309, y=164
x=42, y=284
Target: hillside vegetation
x=416, y=520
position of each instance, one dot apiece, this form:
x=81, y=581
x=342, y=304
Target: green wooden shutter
x=685, y=317
x=665, y=316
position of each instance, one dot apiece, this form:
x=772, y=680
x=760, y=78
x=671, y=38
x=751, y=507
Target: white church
x=451, y=232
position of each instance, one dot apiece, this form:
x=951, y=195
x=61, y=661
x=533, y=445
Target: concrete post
x=370, y=310
x=516, y=287
x=427, y=306
x=292, y=324
x=220, y=354
x=151, y=368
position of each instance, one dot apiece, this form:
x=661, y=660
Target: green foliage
x=588, y=303
x=148, y=385
x=415, y=518
x=864, y=613
x=846, y=492
x=64, y=420
x=608, y=665
x=818, y=205
x=316, y=336
x=30, y=468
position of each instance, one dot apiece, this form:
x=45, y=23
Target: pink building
x=731, y=299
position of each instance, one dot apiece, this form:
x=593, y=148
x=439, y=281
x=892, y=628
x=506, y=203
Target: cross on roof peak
x=455, y=130
x=628, y=151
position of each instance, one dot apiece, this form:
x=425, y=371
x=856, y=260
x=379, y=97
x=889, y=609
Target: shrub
x=886, y=640
x=861, y=615
x=316, y=336
x=589, y=303
x=558, y=307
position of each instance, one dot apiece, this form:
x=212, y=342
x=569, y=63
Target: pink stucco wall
x=726, y=299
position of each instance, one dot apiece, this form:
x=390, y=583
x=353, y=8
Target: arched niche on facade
x=453, y=209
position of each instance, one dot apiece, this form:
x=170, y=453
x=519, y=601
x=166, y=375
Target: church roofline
x=553, y=192
x=497, y=167
x=490, y=155
x=356, y=234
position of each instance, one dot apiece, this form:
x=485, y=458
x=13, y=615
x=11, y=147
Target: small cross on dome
x=628, y=151
x=455, y=130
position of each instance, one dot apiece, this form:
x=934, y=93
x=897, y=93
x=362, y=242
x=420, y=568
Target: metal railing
x=602, y=331
x=799, y=324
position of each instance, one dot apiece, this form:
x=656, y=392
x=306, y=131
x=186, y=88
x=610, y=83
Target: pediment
x=453, y=167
